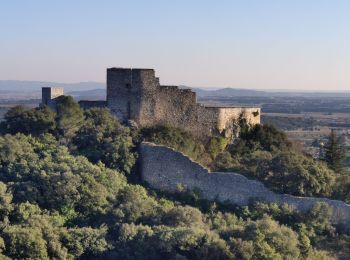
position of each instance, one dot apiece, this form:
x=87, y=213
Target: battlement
x=136, y=94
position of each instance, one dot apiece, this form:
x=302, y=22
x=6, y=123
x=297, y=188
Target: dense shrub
x=103, y=138
x=34, y=121
x=60, y=199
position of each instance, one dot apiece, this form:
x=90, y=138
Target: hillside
x=70, y=188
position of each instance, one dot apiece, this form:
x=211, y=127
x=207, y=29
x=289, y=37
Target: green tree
x=184, y=142
x=268, y=138
x=34, y=121
x=86, y=242
x=69, y=118
x=216, y=145
x=55, y=204
x=183, y=216
x=25, y=243
x=272, y=241
x=293, y=173
x=44, y=173
x=5, y=201
x=103, y=138
x=335, y=152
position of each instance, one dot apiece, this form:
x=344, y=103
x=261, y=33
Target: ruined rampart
x=87, y=104
x=136, y=94
x=165, y=169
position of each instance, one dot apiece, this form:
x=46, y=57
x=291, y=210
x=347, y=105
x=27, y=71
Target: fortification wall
x=137, y=95
x=227, y=114
x=119, y=91
x=208, y=120
x=145, y=82
x=163, y=168
x=176, y=107
x=87, y=104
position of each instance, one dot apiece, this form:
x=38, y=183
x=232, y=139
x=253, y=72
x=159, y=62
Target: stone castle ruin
x=136, y=95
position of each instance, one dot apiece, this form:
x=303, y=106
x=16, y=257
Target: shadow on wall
x=165, y=169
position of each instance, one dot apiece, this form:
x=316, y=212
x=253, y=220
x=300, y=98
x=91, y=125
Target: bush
x=34, y=121
x=103, y=138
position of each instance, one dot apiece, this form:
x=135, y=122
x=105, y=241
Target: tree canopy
x=335, y=152
x=67, y=191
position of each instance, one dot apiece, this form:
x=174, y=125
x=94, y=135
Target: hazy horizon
x=259, y=45
x=208, y=88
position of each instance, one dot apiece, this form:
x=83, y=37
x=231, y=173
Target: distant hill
x=15, y=89
x=238, y=92
x=227, y=92
x=17, y=85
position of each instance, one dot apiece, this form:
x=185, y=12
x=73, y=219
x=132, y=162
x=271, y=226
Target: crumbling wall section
x=227, y=114
x=87, y=104
x=165, y=169
x=135, y=94
x=119, y=83
x=145, y=82
x=176, y=107
x=48, y=95
x=208, y=119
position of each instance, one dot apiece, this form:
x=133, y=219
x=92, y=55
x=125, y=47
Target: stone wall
x=87, y=104
x=163, y=168
x=49, y=93
x=135, y=94
x=145, y=83
x=176, y=107
x=123, y=97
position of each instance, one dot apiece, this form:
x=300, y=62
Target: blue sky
x=259, y=44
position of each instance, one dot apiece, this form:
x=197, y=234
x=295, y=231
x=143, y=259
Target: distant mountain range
x=239, y=92
x=14, y=89
x=227, y=92
x=17, y=85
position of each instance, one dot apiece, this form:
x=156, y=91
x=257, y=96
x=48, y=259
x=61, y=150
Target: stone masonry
x=165, y=169
x=49, y=94
x=136, y=94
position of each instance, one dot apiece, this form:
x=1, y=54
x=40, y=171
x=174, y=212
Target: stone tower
x=48, y=94
x=135, y=94
x=131, y=93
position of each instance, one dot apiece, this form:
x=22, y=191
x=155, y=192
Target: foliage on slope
x=62, y=199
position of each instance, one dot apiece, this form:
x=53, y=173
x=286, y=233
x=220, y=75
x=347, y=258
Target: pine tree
x=335, y=152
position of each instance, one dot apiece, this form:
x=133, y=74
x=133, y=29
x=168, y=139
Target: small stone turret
x=48, y=95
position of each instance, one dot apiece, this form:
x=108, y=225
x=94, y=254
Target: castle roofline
x=120, y=68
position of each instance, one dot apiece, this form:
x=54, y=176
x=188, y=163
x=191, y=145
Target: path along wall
x=165, y=169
